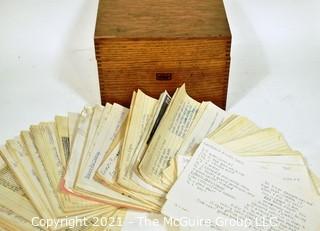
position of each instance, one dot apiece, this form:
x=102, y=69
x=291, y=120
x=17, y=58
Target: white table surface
x=48, y=67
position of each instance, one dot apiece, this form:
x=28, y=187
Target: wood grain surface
x=161, y=19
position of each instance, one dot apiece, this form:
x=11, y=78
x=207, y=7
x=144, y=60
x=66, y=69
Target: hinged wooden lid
x=161, y=19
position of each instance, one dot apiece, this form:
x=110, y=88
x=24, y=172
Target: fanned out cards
x=171, y=155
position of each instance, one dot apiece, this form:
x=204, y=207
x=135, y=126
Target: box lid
x=161, y=19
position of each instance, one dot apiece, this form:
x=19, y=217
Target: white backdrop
x=48, y=67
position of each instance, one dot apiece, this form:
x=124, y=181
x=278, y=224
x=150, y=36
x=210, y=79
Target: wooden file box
x=159, y=44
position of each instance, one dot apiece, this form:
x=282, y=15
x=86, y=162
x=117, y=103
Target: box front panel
x=155, y=66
